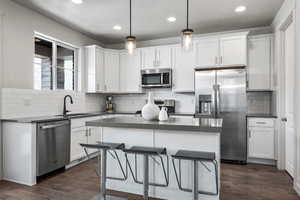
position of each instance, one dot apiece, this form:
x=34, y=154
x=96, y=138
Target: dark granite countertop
x=51, y=118
x=177, y=124
x=258, y=115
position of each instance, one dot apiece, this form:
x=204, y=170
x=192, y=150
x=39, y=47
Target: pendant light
x=130, y=42
x=187, y=34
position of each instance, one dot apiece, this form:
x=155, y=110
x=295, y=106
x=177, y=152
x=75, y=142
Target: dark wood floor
x=250, y=182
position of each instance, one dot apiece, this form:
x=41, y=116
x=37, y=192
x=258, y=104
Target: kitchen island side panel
x=173, y=141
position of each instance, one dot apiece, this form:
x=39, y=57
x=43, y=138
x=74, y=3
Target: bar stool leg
x=146, y=177
x=103, y=174
x=195, y=182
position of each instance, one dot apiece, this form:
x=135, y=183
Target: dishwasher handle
x=54, y=125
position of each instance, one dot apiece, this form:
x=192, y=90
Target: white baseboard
x=297, y=188
x=19, y=182
x=261, y=161
x=82, y=160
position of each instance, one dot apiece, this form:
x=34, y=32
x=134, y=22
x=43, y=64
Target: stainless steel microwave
x=156, y=78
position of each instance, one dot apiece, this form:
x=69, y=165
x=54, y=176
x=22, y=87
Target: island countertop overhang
x=176, y=124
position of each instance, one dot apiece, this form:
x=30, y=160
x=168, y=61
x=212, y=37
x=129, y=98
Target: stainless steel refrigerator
x=221, y=93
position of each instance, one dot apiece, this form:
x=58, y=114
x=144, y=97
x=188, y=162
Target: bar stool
x=103, y=148
x=197, y=157
x=147, y=152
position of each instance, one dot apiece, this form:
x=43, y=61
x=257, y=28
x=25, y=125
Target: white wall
x=19, y=26
x=284, y=12
x=1, y=164
x=287, y=8
x=297, y=176
x=16, y=65
x=19, y=103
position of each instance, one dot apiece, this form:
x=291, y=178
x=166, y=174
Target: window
x=55, y=65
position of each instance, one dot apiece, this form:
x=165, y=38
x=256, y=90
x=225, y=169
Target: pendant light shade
x=130, y=43
x=187, y=39
x=187, y=34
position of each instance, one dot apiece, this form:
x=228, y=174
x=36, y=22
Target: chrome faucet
x=65, y=111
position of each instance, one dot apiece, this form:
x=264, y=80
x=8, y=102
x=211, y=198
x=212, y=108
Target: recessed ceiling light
x=171, y=19
x=117, y=27
x=240, y=9
x=77, y=1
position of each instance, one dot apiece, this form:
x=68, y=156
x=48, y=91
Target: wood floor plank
x=238, y=182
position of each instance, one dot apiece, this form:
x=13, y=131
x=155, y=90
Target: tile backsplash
x=17, y=103
x=185, y=103
x=260, y=103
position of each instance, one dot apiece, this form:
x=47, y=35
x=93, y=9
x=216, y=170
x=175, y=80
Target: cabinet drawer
x=261, y=122
x=80, y=122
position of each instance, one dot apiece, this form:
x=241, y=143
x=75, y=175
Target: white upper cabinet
x=224, y=50
x=233, y=51
x=95, y=69
x=130, y=66
x=148, y=57
x=156, y=57
x=164, y=57
x=111, y=70
x=183, y=69
x=207, y=52
x=260, y=62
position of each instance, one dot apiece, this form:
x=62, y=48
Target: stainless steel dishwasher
x=53, y=146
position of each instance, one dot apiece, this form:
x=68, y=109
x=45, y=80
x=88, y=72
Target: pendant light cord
x=130, y=18
x=187, y=14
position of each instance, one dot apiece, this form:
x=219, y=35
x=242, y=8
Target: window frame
x=54, y=66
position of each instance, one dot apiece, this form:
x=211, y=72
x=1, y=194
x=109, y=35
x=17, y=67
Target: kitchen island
x=192, y=134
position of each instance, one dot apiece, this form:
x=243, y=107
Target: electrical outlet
x=27, y=102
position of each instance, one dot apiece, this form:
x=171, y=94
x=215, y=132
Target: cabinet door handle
x=249, y=134
x=261, y=122
x=157, y=57
x=284, y=119
x=221, y=60
x=216, y=60
x=86, y=133
x=90, y=132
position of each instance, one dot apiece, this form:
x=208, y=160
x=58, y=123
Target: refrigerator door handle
x=214, y=100
x=218, y=100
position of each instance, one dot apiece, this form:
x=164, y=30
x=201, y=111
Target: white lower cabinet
x=81, y=134
x=78, y=136
x=261, y=139
x=94, y=136
x=261, y=143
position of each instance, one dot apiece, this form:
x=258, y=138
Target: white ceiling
x=97, y=17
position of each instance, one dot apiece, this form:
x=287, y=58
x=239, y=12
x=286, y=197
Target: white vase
x=150, y=111
x=163, y=114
